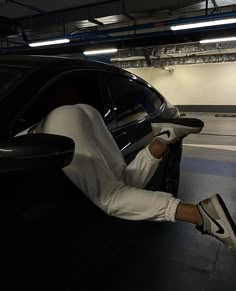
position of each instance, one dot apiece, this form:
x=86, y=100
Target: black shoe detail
x=220, y=228
x=189, y=122
x=226, y=211
x=167, y=132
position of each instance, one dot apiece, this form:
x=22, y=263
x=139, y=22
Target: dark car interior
x=62, y=91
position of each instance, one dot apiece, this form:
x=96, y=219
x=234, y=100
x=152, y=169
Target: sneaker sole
x=224, y=214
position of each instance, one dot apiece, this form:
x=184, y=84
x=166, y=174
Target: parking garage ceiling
x=24, y=8
x=129, y=25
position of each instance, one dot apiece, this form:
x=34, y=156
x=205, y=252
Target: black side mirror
x=35, y=151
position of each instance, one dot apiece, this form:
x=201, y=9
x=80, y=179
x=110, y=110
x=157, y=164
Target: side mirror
x=35, y=151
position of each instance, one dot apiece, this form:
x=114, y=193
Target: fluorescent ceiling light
x=233, y=38
x=100, y=52
x=203, y=24
x=49, y=42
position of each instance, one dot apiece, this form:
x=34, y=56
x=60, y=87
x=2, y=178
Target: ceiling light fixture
x=100, y=52
x=233, y=38
x=49, y=42
x=203, y=24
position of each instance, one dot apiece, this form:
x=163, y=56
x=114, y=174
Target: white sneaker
x=216, y=221
x=173, y=131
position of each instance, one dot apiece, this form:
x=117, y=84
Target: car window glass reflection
x=132, y=100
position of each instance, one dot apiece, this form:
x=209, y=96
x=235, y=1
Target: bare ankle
x=188, y=213
x=157, y=149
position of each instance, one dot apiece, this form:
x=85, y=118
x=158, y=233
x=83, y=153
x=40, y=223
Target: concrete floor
x=169, y=257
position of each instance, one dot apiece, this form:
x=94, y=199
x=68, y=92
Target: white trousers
x=98, y=168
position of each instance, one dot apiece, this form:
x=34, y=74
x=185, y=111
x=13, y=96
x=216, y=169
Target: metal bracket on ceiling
x=216, y=7
x=148, y=60
x=95, y=21
x=206, y=7
x=125, y=13
x=129, y=16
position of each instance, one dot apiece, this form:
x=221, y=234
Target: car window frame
x=141, y=82
x=46, y=86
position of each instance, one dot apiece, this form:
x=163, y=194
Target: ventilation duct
x=192, y=53
x=220, y=58
x=190, y=60
x=177, y=50
x=182, y=50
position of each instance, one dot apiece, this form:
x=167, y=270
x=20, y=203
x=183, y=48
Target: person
x=98, y=169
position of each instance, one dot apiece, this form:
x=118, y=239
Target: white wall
x=204, y=84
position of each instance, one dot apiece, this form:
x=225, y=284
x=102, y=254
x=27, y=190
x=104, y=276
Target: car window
x=70, y=88
x=132, y=100
x=8, y=77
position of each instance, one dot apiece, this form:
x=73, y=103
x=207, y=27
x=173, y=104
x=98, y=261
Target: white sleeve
x=90, y=169
x=139, y=172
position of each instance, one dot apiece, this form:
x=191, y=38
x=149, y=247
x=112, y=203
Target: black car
x=127, y=103
x=42, y=209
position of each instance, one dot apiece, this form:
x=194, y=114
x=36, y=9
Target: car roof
x=31, y=61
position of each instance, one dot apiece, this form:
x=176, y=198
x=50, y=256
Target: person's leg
x=210, y=216
x=91, y=172
x=139, y=171
x=157, y=149
x=171, y=131
x=188, y=213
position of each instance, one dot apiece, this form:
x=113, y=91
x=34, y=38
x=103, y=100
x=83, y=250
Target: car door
x=134, y=105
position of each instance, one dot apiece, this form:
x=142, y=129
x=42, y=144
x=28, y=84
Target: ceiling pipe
x=98, y=42
x=133, y=27
x=150, y=25
x=91, y=37
x=159, y=34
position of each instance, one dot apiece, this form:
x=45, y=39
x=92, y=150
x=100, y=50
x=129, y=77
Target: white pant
x=99, y=170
